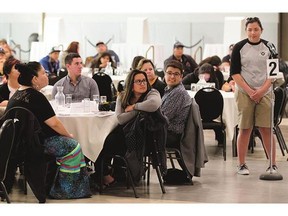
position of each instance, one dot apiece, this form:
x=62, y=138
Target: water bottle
x=60, y=98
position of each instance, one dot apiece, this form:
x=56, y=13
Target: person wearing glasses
x=137, y=96
x=252, y=91
x=175, y=103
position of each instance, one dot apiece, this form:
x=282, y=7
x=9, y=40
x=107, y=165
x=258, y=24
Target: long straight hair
x=127, y=94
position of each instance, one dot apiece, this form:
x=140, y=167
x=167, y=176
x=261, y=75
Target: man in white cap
x=187, y=61
x=51, y=62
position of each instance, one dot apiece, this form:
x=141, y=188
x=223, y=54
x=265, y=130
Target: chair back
x=7, y=134
x=160, y=73
x=28, y=148
x=210, y=102
x=105, y=85
x=27, y=142
x=279, y=104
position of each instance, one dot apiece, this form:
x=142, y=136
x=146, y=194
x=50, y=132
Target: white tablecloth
x=90, y=130
x=230, y=113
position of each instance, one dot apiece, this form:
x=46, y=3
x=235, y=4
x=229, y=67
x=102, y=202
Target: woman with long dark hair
x=137, y=96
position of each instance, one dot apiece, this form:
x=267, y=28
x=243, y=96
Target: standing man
x=51, y=62
x=252, y=91
x=74, y=83
x=187, y=61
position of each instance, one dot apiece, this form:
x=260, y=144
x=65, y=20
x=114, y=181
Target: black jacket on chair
x=27, y=148
x=147, y=132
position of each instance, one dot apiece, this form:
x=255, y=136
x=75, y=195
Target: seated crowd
x=143, y=92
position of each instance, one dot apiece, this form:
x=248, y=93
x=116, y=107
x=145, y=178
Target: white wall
x=164, y=28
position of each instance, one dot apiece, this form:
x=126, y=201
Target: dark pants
x=173, y=141
x=114, y=144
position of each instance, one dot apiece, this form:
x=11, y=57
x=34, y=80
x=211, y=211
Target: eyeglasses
x=139, y=82
x=172, y=74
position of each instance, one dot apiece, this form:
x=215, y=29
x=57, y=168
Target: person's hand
x=103, y=65
x=232, y=85
x=129, y=108
x=257, y=96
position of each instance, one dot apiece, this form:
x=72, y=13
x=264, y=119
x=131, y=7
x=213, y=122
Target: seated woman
x=135, y=62
x=206, y=70
x=148, y=67
x=101, y=62
x=72, y=180
x=9, y=88
x=137, y=96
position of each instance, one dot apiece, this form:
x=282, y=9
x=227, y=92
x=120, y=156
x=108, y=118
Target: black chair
x=175, y=154
x=211, y=102
x=105, y=85
x=160, y=73
x=252, y=140
x=280, y=100
x=120, y=86
x=125, y=166
x=192, y=153
x=28, y=151
x=151, y=152
x=156, y=158
x=150, y=159
x=279, y=110
x=7, y=134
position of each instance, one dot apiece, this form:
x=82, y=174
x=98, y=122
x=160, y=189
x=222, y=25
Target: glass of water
x=103, y=99
x=86, y=103
x=68, y=100
x=96, y=98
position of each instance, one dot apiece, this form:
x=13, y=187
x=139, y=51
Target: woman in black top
x=102, y=61
x=72, y=180
x=206, y=70
x=148, y=67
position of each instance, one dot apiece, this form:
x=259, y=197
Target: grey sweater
x=151, y=103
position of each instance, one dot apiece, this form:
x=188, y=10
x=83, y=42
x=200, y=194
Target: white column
x=234, y=30
x=137, y=30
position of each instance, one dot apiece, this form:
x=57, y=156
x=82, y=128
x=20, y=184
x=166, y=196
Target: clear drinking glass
x=103, y=99
x=68, y=100
x=86, y=103
x=96, y=98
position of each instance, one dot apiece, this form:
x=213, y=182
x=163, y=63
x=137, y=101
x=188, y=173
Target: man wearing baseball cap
x=187, y=61
x=101, y=47
x=51, y=61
